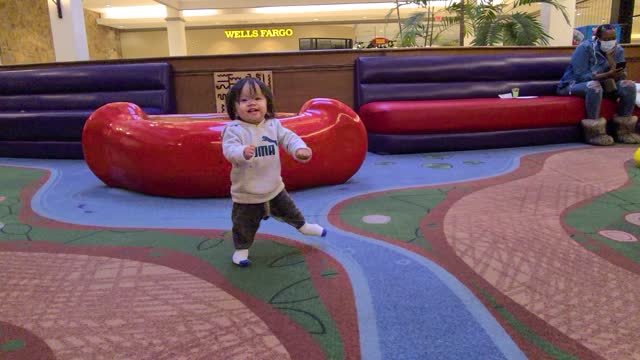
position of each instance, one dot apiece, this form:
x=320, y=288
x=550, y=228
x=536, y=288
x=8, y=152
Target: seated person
x=593, y=71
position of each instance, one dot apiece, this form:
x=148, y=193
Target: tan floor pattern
x=89, y=307
x=511, y=234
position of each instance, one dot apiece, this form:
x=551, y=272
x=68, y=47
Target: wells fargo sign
x=258, y=33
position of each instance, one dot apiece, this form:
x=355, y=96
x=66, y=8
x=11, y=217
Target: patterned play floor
x=514, y=253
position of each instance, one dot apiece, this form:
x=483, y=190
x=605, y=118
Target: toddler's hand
x=303, y=154
x=249, y=151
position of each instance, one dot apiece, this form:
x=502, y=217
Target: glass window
x=325, y=43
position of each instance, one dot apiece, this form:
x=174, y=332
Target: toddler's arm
x=232, y=147
x=303, y=154
x=293, y=144
x=249, y=151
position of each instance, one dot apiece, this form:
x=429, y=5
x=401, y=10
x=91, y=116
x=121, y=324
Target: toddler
x=250, y=142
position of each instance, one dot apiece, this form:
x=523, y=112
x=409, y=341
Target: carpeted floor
x=493, y=254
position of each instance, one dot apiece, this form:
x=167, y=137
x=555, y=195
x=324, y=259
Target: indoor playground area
x=510, y=253
x=461, y=225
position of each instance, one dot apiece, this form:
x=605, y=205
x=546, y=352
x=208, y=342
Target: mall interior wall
x=301, y=75
x=25, y=41
x=214, y=41
x=25, y=34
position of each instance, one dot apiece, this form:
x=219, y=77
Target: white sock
x=241, y=257
x=313, y=229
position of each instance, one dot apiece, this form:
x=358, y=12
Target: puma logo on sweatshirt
x=265, y=150
x=265, y=138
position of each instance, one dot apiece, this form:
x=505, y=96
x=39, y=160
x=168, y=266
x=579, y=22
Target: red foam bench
x=181, y=155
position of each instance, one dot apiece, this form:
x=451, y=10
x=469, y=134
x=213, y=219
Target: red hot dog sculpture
x=181, y=155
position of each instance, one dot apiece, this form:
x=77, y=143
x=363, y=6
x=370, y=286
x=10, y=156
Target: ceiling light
x=133, y=12
x=329, y=8
x=200, y=12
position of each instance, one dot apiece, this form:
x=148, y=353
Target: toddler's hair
x=236, y=89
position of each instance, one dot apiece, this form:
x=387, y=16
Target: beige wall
x=144, y=43
x=141, y=44
x=25, y=32
x=103, y=41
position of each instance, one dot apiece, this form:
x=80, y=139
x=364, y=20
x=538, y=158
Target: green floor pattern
x=607, y=212
x=406, y=209
x=283, y=280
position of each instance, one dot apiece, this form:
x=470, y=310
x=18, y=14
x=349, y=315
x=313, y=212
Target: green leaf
x=12, y=345
x=488, y=33
x=289, y=259
x=495, y=24
x=329, y=273
x=523, y=29
x=299, y=291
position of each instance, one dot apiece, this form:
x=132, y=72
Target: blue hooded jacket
x=586, y=61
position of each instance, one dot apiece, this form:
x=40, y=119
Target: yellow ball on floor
x=636, y=157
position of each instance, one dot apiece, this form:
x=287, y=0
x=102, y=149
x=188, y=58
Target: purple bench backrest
x=87, y=87
x=389, y=78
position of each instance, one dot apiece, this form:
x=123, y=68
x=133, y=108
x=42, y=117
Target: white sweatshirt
x=258, y=179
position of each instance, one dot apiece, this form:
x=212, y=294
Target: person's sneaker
x=241, y=257
x=313, y=229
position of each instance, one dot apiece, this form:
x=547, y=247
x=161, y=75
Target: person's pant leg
x=591, y=91
x=283, y=207
x=626, y=92
x=246, y=221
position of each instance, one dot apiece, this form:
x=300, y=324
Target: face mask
x=606, y=46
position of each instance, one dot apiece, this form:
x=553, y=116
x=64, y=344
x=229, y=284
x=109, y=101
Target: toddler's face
x=251, y=106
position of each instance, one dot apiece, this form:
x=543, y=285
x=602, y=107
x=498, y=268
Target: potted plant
x=489, y=23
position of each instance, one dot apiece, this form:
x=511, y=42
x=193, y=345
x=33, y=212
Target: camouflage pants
x=246, y=217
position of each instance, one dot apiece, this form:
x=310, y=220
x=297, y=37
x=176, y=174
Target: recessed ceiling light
x=329, y=8
x=200, y=12
x=132, y=12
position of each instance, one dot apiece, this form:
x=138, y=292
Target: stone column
x=176, y=34
x=555, y=25
x=69, y=33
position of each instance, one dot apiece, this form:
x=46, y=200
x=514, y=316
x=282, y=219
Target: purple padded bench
x=43, y=111
x=412, y=104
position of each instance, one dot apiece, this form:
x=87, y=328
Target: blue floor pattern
x=400, y=296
